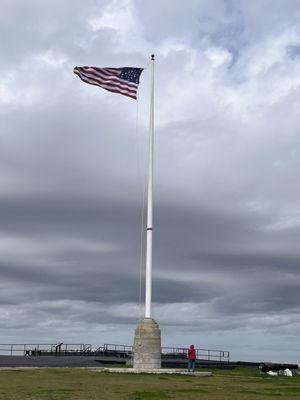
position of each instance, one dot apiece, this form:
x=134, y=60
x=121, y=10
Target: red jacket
x=192, y=353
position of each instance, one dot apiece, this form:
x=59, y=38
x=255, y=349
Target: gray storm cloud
x=73, y=166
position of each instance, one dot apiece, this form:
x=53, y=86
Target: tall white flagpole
x=147, y=338
x=150, y=202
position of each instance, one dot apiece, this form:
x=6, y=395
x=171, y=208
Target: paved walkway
x=153, y=371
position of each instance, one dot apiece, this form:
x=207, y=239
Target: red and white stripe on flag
x=118, y=80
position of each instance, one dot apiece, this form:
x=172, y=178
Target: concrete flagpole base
x=147, y=345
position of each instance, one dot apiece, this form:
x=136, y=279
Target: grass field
x=83, y=384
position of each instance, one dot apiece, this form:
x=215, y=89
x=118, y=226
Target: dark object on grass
x=266, y=367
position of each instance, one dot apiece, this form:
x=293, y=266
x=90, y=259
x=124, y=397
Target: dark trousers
x=191, y=366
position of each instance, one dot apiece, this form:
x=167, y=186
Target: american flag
x=118, y=80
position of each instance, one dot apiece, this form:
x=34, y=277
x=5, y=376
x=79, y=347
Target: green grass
x=83, y=384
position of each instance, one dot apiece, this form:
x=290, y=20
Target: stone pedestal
x=147, y=345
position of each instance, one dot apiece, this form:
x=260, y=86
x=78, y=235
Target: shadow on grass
x=161, y=395
x=292, y=391
x=149, y=396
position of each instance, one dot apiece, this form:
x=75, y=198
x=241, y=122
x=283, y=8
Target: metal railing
x=37, y=349
x=201, y=354
x=173, y=352
x=118, y=348
x=112, y=350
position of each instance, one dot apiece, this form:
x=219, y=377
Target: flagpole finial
x=152, y=57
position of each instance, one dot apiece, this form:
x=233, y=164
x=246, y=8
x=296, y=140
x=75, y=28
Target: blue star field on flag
x=131, y=74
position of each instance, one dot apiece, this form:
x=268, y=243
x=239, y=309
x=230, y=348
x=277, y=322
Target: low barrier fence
x=168, y=352
x=201, y=354
x=107, y=350
x=32, y=349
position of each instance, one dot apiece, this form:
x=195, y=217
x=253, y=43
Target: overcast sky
x=73, y=161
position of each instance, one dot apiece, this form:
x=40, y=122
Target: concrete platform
x=60, y=361
x=160, y=371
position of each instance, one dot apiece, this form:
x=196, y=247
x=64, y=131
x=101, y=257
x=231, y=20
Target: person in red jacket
x=192, y=358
